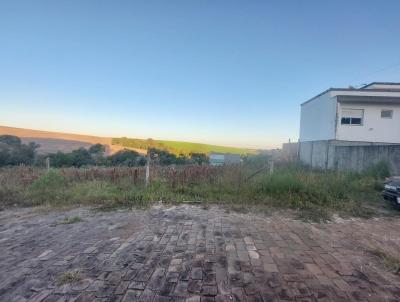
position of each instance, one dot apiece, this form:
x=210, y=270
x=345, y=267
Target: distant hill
x=51, y=142
x=178, y=147
x=186, y=147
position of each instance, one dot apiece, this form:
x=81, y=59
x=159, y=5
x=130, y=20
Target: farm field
x=51, y=142
x=178, y=147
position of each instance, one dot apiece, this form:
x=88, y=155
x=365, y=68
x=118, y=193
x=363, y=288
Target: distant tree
x=81, y=157
x=97, y=153
x=165, y=158
x=60, y=159
x=10, y=140
x=13, y=152
x=126, y=158
x=97, y=149
x=77, y=158
x=4, y=154
x=199, y=158
x=141, y=161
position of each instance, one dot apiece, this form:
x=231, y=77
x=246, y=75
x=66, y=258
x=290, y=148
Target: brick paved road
x=187, y=253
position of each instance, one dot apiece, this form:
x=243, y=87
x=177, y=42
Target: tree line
x=145, y=144
x=14, y=152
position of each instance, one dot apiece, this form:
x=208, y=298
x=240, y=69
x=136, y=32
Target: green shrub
x=92, y=192
x=10, y=195
x=314, y=214
x=379, y=170
x=290, y=186
x=49, y=188
x=123, y=194
x=71, y=220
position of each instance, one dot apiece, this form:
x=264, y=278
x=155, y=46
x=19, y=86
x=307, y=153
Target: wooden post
x=240, y=177
x=271, y=166
x=48, y=163
x=147, y=169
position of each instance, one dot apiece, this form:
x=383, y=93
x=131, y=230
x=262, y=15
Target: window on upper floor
x=352, y=116
x=386, y=113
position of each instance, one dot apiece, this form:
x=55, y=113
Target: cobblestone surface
x=188, y=253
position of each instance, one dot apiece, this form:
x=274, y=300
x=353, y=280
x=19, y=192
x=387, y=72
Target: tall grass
x=290, y=186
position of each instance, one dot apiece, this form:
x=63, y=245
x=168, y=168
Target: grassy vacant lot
x=316, y=193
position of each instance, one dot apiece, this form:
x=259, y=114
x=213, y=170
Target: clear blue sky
x=226, y=72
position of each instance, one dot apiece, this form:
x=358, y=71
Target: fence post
x=147, y=169
x=240, y=177
x=48, y=163
x=271, y=166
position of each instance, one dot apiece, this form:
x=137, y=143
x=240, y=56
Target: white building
x=349, y=117
x=368, y=114
x=217, y=159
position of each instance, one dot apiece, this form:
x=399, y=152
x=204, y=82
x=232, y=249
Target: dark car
x=392, y=191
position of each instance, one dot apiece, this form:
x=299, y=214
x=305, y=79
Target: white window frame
x=387, y=117
x=358, y=109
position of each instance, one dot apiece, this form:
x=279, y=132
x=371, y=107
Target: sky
x=222, y=72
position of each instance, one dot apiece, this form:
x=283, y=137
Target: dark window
x=386, y=113
x=345, y=121
x=352, y=116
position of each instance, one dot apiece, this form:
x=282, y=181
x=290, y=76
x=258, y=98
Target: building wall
x=359, y=158
x=318, y=119
x=217, y=159
x=224, y=159
x=290, y=151
x=374, y=128
x=366, y=92
x=349, y=156
x=232, y=159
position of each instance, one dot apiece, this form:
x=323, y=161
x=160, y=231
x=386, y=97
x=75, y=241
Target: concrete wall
x=374, y=128
x=351, y=156
x=290, y=151
x=318, y=119
x=358, y=158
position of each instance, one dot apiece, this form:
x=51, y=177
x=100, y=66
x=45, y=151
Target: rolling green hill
x=178, y=147
x=51, y=142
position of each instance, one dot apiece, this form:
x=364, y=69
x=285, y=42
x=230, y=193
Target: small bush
x=104, y=193
x=390, y=262
x=68, y=277
x=92, y=192
x=71, y=220
x=314, y=214
x=379, y=170
x=49, y=188
x=12, y=195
